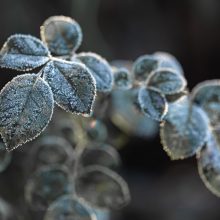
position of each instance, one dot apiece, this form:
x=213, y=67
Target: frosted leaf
x=5, y=158
x=207, y=96
x=126, y=117
x=169, y=61
x=167, y=81
x=100, y=154
x=143, y=67
x=62, y=35
x=72, y=84
x=69, y=208
x=152, y=103
x=23, y=53
x=122, y=78
x=209, y=164
x=185, y=129
x=100, y=69
x=50, y=150
x=46, y=185
x=102, y=188
x=26, y=109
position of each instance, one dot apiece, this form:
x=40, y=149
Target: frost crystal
x=72, y=84
x=23, y=53
x=25, y=110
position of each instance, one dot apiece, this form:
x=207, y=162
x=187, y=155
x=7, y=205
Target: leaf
x=26, y=109
x=167, y=81
x=102, y=188
x=5, y=158
x=177, y=96
x=209, y=164
x=46, y=185
x=23, y=53
x=152, y=103
x=100, y=70
x=169, y=61
x=69, y=207
x=185, y=129
x=207, y=96
x=50, y=150
x=62, y=35
x=72, y=84
x=122, y=78
x=144, y=66
x=100, y=154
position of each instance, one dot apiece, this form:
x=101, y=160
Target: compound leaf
x=143, y=67
x=102, y=188
x=185, y=129
x=62, y=35
x=72, y=84
x=100, y=70
x=207, y=96
x=167, y=81
x=26, y=108
x=152, y=103
x=23, y=53
x=69, y=207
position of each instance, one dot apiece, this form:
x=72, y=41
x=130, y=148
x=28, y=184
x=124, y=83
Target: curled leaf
x=144, y=66
x=100, y=154
x=46, y=185
x=185, y=129
x=207, y=96
x=122, y=78
x=69, y=207
x=23, y=53
x=167, y=81
x=100, y=70
x=209, y=164
x=102, y=188
x=26, y=108
x=152, y=103
x=62, y=35
x=72, y=85
x=169, y=61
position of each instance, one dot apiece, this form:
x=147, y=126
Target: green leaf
x=185, y=129
x=62, y=35
x=23, y=53
x=26, y=109
x=167, y=81
x=152, y=103
x=72, y=84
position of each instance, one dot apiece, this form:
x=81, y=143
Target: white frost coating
x=69, y=207
x=99, y=68
x=26, y=109
x=102, y=188
x=152, y=103
x=185, y=129
x=168, y=81
x=23, y=53
x=72, y=84
x=62, y=35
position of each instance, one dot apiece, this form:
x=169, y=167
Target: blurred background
x=125, y=29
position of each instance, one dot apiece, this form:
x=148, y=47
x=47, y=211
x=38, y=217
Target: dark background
x=126, y=29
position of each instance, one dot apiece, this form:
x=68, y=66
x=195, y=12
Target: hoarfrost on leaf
x=167, y=81
x=62, y=35
x=72, y=84
x=207, y=96
x=185, y=129
x=23, y=53
x=102, y=188
x=26, y=109
x=152, y=103
x=99, y=68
